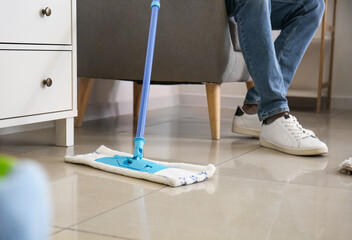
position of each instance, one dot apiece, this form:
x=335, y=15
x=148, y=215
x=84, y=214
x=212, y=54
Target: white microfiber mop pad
x=346, y=166
x=177, y=174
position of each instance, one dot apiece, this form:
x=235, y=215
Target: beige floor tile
x=74, y=235
x=341, y=121
x=189, y=128
x=27, y=141
x=233, y=208
x=337, y=139
x=268, y=164
x=80, y=192
x=80, y=197
x=55, y=230
x=257, y=193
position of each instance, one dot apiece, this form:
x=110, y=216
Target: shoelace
x=295, y=128
x=309, y=132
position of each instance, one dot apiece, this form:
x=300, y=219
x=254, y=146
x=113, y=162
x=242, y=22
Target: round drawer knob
x=48, y=82
x=46, y=11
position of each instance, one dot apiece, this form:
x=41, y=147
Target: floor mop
x=346, y=166
x=172, y=174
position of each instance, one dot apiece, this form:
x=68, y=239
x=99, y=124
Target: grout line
x=130, y=130
x=316, y=186
x=100, y=234
x=56, y=232
x=226, y=161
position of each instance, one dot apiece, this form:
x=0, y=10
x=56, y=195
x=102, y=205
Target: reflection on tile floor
x=257, y=193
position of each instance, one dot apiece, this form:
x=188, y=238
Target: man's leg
x=255, y=34
x=298, y=20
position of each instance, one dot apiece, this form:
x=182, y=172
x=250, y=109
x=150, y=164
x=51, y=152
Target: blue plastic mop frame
x=137, y=162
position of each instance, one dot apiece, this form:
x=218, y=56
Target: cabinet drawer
x=22, y=92
x=22, y=21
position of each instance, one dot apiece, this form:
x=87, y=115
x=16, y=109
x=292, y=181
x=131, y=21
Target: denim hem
x=251, y=102
x=266, y=115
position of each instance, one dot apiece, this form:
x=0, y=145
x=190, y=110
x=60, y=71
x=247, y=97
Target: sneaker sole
x=302, y=152
x=246, y=131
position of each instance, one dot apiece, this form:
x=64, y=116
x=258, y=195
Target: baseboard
x=304, y=103
x=27, y=127
x=344, y=103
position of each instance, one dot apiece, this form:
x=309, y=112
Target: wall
x=342, y=80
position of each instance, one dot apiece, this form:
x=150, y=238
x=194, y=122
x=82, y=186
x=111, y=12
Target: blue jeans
x=272, y=65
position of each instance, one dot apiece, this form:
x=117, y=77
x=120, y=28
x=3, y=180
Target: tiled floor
x=257, y=193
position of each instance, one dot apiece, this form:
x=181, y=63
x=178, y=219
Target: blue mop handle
x=155, y=6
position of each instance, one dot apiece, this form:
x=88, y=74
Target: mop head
x=174, y=174
x=346, y=166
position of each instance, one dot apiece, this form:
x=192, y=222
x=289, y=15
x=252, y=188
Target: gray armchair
x=193, y=46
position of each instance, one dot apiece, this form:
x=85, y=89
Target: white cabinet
x=38, y=64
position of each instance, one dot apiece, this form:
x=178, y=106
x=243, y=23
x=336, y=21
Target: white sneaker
x=247, y=124
x=287, y=135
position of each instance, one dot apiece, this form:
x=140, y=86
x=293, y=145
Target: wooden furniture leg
x=249, y=84
x=85, y=89
x=332, y=29
x=321, y=64
x=325, y=27
x=214, y=100
x=137, y=93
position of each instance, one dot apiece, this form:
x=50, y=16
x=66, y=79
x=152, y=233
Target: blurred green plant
x=6, y=165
